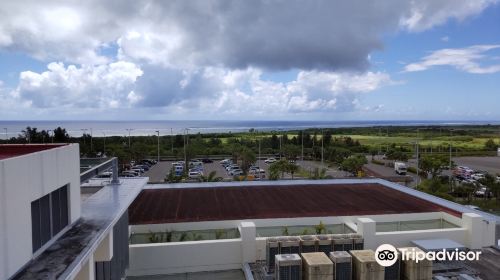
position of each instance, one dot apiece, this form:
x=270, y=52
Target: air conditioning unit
x=342, y=265
x=288, y=267
x=289, y=245
x=272, y=249
x=410, y=269
x=393, y=272
x=366, y=267
x=325, y=244
x=308, y=243
x=342, y=242
x=317, y=266
x=357, y=241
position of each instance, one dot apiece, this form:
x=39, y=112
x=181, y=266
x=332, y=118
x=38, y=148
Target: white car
x=195, y=174
x=481, y=192
x=270, y=160
x=477, y=176
x=236, y=172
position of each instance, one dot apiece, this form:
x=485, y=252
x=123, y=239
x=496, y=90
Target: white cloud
x=445, y=38
x=234, y=34
x=424, y=15
x=79, y=87
x=464, y=59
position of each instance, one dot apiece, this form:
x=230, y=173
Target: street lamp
x=302, y=151
x=322, y=138
x=104, y=145
x=84, y=132
x=91, y=146
x=158, y=145
x=129, y=129
x=172, y=140
x=418, y=160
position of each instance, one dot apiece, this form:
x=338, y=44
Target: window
x=49, y=215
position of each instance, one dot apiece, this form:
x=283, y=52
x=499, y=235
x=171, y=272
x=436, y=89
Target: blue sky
x=431, y=60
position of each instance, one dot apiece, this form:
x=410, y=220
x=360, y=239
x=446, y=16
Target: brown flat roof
x=154, y=206
x=15, y=150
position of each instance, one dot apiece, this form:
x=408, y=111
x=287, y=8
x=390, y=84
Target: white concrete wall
x=281, y=222
x=181, y=257
x=24, y=179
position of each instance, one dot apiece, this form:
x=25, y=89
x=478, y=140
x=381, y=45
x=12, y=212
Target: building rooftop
x=99, y=213
x=15, y=150
x=269, y=200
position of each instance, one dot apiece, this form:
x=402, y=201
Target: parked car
x=236, y=172
x=195, y=174
x=225, y=161
x=477, y=176
x=207, y=160
x=232, y=166
x=482, y=192
x=142, y=166
x=124, y=174
x=270, y=160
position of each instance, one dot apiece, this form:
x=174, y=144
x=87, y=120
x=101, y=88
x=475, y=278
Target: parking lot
x=159, y=171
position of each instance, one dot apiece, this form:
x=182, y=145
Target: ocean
x=139, y=128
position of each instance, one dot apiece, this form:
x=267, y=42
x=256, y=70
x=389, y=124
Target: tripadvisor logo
x=387, y=255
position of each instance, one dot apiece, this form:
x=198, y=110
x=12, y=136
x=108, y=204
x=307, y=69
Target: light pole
x=451, y=171
x=281, y=138
x=91, y=146
x=418, y=161
x=302, y=151
x=158, y=160
x=104, y=146
x=129, y=129
x=172, y=140
x=322, y=138
x=84, y=132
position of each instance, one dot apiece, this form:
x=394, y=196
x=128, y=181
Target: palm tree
x=212, y=177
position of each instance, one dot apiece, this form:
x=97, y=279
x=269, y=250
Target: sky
x=250, y=60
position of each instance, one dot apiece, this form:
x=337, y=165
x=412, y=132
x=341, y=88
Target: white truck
x=400, y=168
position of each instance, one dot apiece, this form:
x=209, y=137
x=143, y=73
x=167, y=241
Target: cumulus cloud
x=109, y=85
x=210, y=55
x=464, y=59
x=236, y=34
x=423, y=15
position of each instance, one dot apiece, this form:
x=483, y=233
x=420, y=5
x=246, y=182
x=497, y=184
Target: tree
x=354, y=164
x=247, y=158
x=292, y=168
x=291, y=151
x=373, y=152
x=490, y=145
x=398, y=155
x=60, y=135
x=434, y=164
x=212, y=177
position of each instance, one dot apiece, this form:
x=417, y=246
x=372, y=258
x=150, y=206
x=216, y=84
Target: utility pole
x=91, y=146
x=158, y=156
x=418, y=162
x=302, y=152
x=172, y=140
x=104, y=147
x=451, y=171
x=129, y=129
x=258, y=160
x=322, y=138
x=84, y=132
x=281, y=137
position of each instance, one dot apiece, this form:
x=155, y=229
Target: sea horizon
x=100, y=128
